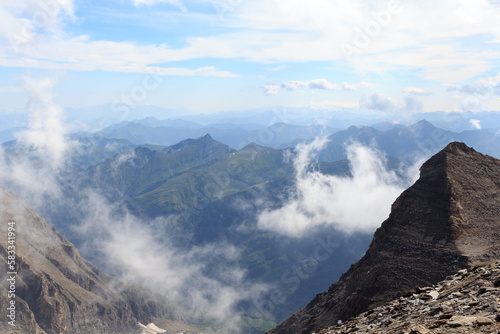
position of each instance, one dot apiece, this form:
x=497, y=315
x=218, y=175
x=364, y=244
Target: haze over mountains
x=239, y=235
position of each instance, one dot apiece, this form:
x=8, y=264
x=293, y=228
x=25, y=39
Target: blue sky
x=205, y=56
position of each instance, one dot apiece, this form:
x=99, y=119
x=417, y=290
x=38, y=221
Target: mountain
x=463, y=303
x=216, y=194
x=408, y=143
x=57, y=291
x=447, y=221
x=237, y=136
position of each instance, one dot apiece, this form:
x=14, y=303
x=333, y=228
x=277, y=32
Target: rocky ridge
x=467, y=302
x=447, y=221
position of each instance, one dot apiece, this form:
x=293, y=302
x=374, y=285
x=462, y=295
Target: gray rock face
x=57, y=291
x=447, y=221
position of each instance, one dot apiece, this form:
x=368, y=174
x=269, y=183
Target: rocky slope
x=56, y=290
x=467, y=302
x=447, y=221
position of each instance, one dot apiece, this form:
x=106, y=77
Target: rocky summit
x=467, y=302
x=447, y=221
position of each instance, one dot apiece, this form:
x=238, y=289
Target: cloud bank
x=360, y=202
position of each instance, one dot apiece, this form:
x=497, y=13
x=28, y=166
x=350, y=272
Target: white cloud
x=271, y=89
x=430, y=42
x=44, y=146
x=483, y=88
x=350, y=204
x=411, y=38
x=378, y=102
x=72, y=54
x=321, y=84
x=142, y=252
x=23, y=19
x=417, y=91
x=46, y=133
x=473, y=103
x=476, y=123
x=311, y=84
x=32, y=36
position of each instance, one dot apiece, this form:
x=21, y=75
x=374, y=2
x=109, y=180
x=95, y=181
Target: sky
x=205, y=56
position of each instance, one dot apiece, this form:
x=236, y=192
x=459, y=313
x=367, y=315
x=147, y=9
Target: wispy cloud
x=476, y=123
x=271, y=89
x=477, y=89
x=382, y=103
x=44, y=147
x=430, y=43
x=417, y=91
x=143, y=252
x=311, y=84
x=321, y=84
x=356, y=203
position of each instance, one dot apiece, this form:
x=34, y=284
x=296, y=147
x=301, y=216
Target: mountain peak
x=447, y=221
x=204, y=141
x=206, y=137
x=422, y=124
x=459, y=148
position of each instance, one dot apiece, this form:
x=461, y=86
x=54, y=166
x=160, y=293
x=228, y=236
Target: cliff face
x=448, y=220
x=57, y=291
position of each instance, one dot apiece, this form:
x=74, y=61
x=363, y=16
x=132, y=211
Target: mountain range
x=213, y=193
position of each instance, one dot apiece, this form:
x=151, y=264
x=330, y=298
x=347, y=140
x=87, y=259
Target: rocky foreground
x=468, y=302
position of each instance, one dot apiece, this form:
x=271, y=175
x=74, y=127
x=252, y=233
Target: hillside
x=447, y=221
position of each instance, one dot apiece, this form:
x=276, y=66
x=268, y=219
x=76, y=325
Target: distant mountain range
x=409, y=143
x=111, y=117
x=235, y=136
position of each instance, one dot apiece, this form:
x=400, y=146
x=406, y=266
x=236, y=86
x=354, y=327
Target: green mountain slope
x=216, y=194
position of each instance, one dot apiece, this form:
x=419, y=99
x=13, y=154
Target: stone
x=446, y=316
x=458, y=320
x=483, y=321
x=419, y=330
